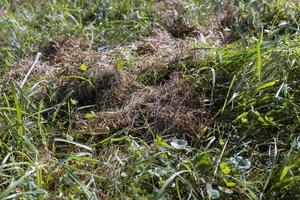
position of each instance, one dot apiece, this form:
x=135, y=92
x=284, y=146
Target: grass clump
x=257, y=105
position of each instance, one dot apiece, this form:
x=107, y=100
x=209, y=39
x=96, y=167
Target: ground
x=164, y=99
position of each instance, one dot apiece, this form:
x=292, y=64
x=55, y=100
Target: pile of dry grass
x=174, y=108
x=120, y=99
x=168, y=107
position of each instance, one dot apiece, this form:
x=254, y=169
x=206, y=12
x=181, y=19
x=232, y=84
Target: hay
x=120, y=99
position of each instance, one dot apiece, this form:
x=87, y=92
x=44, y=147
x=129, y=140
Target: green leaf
x=204, y=160
x=83, y=67
x=230, y=184
x=73, y=101
x=263, y=86
x=160, y=142
x=221, y=142
x=91, y=115
x=284, y=173
x=259, y=55
x=224, y=168
x=243, y=117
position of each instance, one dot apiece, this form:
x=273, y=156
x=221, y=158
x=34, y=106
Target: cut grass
x=165, y=123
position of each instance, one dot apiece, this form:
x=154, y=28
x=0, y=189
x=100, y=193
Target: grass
x=183, y=100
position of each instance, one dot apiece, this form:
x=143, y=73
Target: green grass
x=247, y=148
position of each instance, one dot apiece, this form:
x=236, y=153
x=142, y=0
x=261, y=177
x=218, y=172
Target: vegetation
x=133, y=99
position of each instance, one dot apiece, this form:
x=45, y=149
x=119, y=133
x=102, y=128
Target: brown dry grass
x=121, y=100
x=174, y=109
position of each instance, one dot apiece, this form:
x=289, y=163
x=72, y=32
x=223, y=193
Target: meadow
x=157, y=99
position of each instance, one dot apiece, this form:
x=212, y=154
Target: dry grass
x=121, y=100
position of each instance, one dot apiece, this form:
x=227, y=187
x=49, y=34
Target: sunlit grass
x=250, y=87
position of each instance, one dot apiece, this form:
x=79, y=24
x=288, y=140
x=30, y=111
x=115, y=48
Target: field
x=158, y=99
